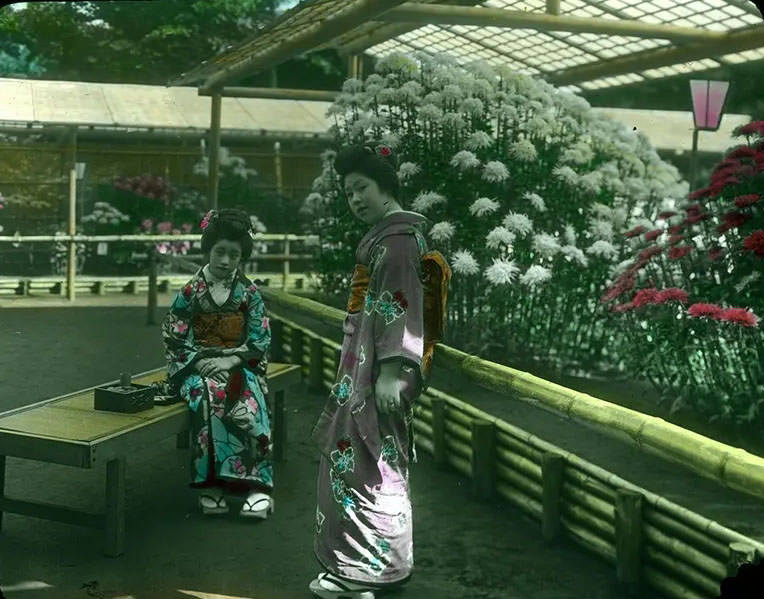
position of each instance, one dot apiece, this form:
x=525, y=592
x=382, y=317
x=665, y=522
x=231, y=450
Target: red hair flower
x=385, y=151
x=648, y=253
x=755, y=243
x=675, y=229
x=667, y=214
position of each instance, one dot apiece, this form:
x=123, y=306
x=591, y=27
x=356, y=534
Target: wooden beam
x=736, y=41
x=213, y=173
x=272, y=93
x=307, y=40
x=438, y=14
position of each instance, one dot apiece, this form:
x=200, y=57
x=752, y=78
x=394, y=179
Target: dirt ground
x=463, y=549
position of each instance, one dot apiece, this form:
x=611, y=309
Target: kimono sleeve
x=396, y=300
x=258, y=339
x=178, y=336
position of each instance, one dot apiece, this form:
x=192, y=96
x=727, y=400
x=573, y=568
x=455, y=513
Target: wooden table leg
x=115, y=508
x=279, y=426
x=2, y=486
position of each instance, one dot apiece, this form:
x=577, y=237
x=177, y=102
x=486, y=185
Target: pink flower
x=736, y=219
x=384, y=150
x=195, y=391
x=701, y=310
x=648, y=253
x=621, y=308
x=220, y=394
x=676, y=229
x=187, y=291
x=205, y=220
x=252, y=403
x=253, y=288
x=180, y=327
x=755, y=243
x=200, y=286
x=644, y=296
x=740, y=316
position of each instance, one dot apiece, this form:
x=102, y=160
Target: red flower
x=676, y=228
x=187, y=291
x=220, y=394
x=672, y=293
x=194, y=392
x=740, y=316
x=644, y=296
x=653, y=235
x=384, y=150
x=699, y=193
x=343, y=445
x=701, y=310
x=747, y=200
x=751, y=128
x=755, y=243
x=696, y=218
x=648, y=253
x=676, y=253
x=736, y=219
x=715, y=253
x=723, y=228
x=667, y=214
x=674, y=239
x=635, y=231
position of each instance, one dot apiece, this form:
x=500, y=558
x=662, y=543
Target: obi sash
x=222, y=329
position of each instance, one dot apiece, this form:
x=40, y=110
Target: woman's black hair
x=373, y=159
x=229, y=224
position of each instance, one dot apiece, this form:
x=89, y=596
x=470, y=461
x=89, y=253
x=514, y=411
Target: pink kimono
x=363, y=517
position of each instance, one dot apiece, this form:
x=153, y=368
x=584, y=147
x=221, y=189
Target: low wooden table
x=68, y=430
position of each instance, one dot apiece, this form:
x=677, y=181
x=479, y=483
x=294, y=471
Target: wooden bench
x=68, y=430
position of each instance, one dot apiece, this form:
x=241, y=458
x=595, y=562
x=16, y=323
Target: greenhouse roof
x=589, y=45
x=33, y=103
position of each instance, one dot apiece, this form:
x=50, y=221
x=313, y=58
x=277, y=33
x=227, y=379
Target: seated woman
x=216, y=336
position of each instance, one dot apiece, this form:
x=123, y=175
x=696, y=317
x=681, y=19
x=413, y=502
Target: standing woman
x=364, y=535
x=216, y=336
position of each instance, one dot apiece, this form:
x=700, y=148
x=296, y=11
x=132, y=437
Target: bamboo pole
x=151, y=238
x=574, y=478
x=582, y=517
x=529, y=506
x=702, y=543
x=529, y=468
x=214, y=157
x=683, y=553
x=702, y=585
x=668, y=584
x=459, y=448
x=574, y=495
x=422, y=428
x=482, y=16
x=588, y=539
x=460, y=464
x=307, y=95
x=530, y=488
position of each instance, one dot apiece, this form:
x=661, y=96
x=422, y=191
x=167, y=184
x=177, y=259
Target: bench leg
x=115, y=508
x=279, y=426
x=2, y=487
x=183, y=440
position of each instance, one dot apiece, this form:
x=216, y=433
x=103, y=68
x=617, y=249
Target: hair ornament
x=211, y=215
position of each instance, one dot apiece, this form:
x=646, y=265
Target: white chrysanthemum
x=570, y=235
x=452, y=93
x=518, y=223
x=573, y=156
x=508, y=112
x=374, y=79
x=536, y=200
x=483, y=206
x=453, y=120
x=501, y=272
x=314, y=200
x=464, y=263
x=620, y=215
x=426, y=200
x=386, y=95
x=408, y=170
x=574, y=254
x=566, y=174
x=546, y=245
x=472, y=106
x=601, y=211
x=442, y=231
x=571, y=124
x=478, y=141
x=390, y=139
x=601, y=229
x=602, y=249
x=352, y=86
x=539, y=127
x=495, y=172
x=499, y=236
x=524, y=150
x=464, y=160
x=535, y=275
x=396, y=62
x=431, y=113
x=636, y=188
x=481, y=87
x=609, y=170
x=434, y=98
x=667, y=204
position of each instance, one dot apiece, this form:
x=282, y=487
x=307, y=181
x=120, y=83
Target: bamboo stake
x=604, y=531
x=439, y=431
x=655, y=520
x=739, y=553
x=519, y=480
x=530, y=469
x=574, y=478
x=580, y=497
x=483, y=459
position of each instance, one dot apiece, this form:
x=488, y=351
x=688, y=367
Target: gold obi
x=219, y=330
x=358, y=288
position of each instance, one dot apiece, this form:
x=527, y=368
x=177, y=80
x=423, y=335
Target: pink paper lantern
x=708, y=103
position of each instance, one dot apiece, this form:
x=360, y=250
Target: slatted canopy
x=586, y=45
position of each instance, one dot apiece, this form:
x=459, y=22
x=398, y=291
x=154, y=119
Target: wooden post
x=628, y=538
x=71, y=267
x=152, y=292
x=277, y=167
x=286, y=262
x=214, y=158
x=296, y=346
x=316, y=373
x=739, y=554
x=552, y=467
x=439, y=431
x=483, y=459
x=277, y=339
x=115, y=507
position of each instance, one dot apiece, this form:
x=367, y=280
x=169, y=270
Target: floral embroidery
x=389, y=452
x=363, y=356
x=376, y=255
x=389, y=307
x=373, y=565
x=398, y=297
x=180, y=327
x=239, y=467
x=383, y=545
x=369, y=303
x=266, y=323
x=343, y=458
x=349, y=360
x=253, y=288
x=187, y=291
x=220, y=394
x=182, y=357
x=319, y=520
x=200, y=286
x=342, y=390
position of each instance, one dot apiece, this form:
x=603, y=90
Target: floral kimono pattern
x=230, y=421
x=363, y=530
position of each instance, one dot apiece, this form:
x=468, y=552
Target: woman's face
x=365, y=199
x=225, y=256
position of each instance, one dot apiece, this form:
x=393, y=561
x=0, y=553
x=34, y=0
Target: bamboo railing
x=654, y=543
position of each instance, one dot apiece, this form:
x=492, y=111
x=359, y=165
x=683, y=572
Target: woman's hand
x=210, y=367
x=387, y=393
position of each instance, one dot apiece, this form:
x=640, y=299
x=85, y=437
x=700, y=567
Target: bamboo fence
x=654, y=543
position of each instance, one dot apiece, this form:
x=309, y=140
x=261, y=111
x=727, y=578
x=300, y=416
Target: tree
x=142, y=42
